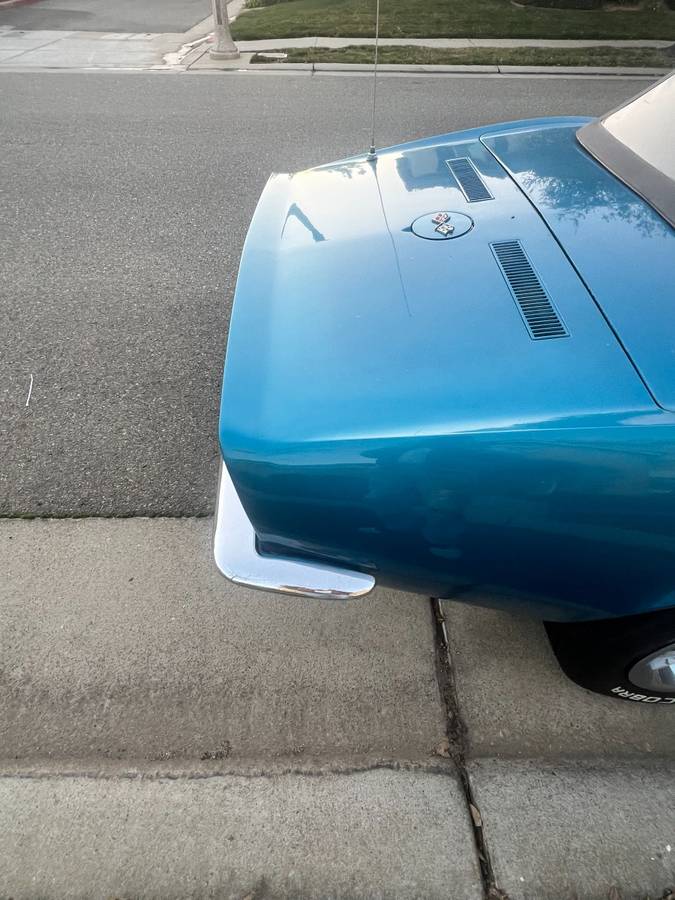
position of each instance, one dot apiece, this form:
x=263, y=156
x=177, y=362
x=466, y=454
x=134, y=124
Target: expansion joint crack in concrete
x=456, y=731
x=255, y=773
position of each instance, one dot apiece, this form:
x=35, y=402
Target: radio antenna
x=371, y=152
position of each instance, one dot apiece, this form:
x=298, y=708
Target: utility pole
x=223, y=45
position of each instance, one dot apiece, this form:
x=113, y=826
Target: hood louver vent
x=469, y=181
x=536, y=307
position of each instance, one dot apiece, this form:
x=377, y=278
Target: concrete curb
x=601, y=71
x=581, y=70
x=392, y=67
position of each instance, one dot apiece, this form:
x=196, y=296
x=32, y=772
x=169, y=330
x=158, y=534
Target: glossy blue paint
x=613, y=238
x=385, y=406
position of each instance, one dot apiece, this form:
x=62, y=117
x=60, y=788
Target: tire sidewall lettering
x=640, y=698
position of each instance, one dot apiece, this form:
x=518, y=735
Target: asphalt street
x=126, y=199
x=102, y=15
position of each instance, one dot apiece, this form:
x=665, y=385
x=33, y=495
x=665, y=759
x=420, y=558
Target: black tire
x=602, y=655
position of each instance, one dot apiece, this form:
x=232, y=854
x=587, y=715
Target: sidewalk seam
x=439, y=769
x=456, y=730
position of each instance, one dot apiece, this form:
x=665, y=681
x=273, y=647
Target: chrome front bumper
x=237, y=557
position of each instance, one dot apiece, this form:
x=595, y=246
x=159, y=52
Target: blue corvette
x=451, y=369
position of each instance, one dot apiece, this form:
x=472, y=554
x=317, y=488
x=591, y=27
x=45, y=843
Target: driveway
x=107, y=15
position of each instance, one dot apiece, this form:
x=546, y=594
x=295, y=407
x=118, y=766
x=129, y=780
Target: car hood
x=622, y=248
x=348, y=325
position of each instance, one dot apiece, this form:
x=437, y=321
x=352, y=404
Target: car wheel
x=631, y=658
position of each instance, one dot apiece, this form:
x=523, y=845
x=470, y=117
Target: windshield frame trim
x=655, y=187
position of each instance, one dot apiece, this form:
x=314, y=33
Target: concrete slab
x=578, y=830
x=370, y=834
x=516, y=701
x=120, y=640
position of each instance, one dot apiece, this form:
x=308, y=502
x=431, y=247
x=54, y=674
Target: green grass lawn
x=449, y=18
x=481, y=56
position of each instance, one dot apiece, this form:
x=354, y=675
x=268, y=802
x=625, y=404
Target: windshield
x=646, y=125
x=637, y=143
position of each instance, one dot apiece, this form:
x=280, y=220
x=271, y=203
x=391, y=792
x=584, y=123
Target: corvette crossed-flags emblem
x=440, y=220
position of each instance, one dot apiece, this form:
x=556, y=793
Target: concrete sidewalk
x=440, y=43
x=163, y=733
x=51, y=49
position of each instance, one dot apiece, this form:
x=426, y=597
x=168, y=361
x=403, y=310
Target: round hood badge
x=441, y=226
